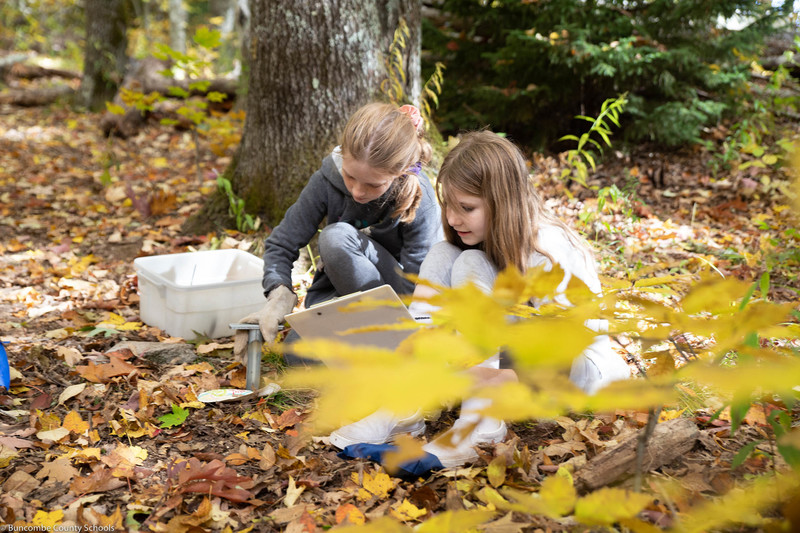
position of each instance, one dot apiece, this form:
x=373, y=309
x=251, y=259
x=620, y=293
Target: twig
x=772, y=443
x=641, y=447
x=631, y=357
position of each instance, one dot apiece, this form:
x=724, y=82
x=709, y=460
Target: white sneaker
x=456, y=446
x=378, y=428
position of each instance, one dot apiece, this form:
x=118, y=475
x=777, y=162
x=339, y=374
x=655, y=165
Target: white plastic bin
x=199, y=292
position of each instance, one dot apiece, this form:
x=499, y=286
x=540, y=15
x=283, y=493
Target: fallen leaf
x=377, y=486
x=20, y=483
x=74, y=423
x=52, y=435
x=60, y=469
x=293, y=492
x=407, y=511
x=349, y=514
x=99, y=481
x=70, y=392
x=103, y=373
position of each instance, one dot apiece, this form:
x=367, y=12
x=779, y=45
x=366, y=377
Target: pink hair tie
x=414, y=115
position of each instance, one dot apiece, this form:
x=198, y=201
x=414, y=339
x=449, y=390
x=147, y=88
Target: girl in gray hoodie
x=380, y=210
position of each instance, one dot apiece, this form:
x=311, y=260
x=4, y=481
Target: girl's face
x=468, y=216
x=363, y=182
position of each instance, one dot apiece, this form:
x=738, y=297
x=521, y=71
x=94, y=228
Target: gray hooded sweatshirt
x=325, y=197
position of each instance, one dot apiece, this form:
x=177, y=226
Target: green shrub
x=528, y=67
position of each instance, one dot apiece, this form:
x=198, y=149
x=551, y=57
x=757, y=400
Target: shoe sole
x=340, y=441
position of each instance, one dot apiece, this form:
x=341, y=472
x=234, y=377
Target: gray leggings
x=448, y=265
x=355, y=262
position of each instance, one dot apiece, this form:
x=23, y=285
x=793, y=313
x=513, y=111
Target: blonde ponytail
x=387, y=138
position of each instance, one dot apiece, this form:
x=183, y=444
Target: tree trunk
x=104, y=59
x=177, y=26
x=312, y=64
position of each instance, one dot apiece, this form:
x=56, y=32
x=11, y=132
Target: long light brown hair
x=385, y=138
x=488, y=166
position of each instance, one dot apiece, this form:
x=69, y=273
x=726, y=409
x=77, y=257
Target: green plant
x=526, y=67
x=395, y=81
x=578, y=157
x=192, y=64
x=244, y=221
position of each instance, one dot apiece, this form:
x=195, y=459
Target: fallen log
x=669, y=441
x=12, y=59
x=32, y=72
x=35, y=97
x=146, y=77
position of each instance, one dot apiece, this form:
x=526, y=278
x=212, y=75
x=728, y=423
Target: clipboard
x=330, y=319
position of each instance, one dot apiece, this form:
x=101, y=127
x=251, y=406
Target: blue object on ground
x=374, y=452
x=5, y=371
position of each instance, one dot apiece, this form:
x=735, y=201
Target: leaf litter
x=94, y=435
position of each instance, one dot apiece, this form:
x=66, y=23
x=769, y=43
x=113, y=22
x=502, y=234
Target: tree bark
x=105, y=59
x=177, y=26
x=312, y=64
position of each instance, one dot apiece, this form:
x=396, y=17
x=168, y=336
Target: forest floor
x=88, y=434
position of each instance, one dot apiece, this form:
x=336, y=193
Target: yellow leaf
x=115, y=109
x=606, y=506
x=364, y=379
x=87, y=454
x=555, y=499
x=443, y=346
x=110, y=522
x=455, y=521
x=670, y=414
x=474, y=314
x=46, y=521
x=547, y=341
x=777, y=376
x=558, y=493
x=542, y=284
x=159, y=162
x=496, y=471
x=74, y=423
x=509, y=287
x=377, y=486
x=664, y=363
x=517, y=401
x=6, y=455
x=408, y=448
x=118, y=322
x=658, y=280
x=633, y=394
x=260, y=416
x=407, y=511
x=384, y=524
x=350, y=514
x=742, y=505
x=293, y=492
x=714, y=295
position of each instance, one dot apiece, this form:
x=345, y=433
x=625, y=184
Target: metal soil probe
x=254, y=342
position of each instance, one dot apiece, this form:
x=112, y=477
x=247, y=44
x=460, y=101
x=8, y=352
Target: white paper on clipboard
x=328, y=320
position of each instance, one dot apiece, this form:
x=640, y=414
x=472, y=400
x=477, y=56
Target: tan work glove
x=280, y=303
